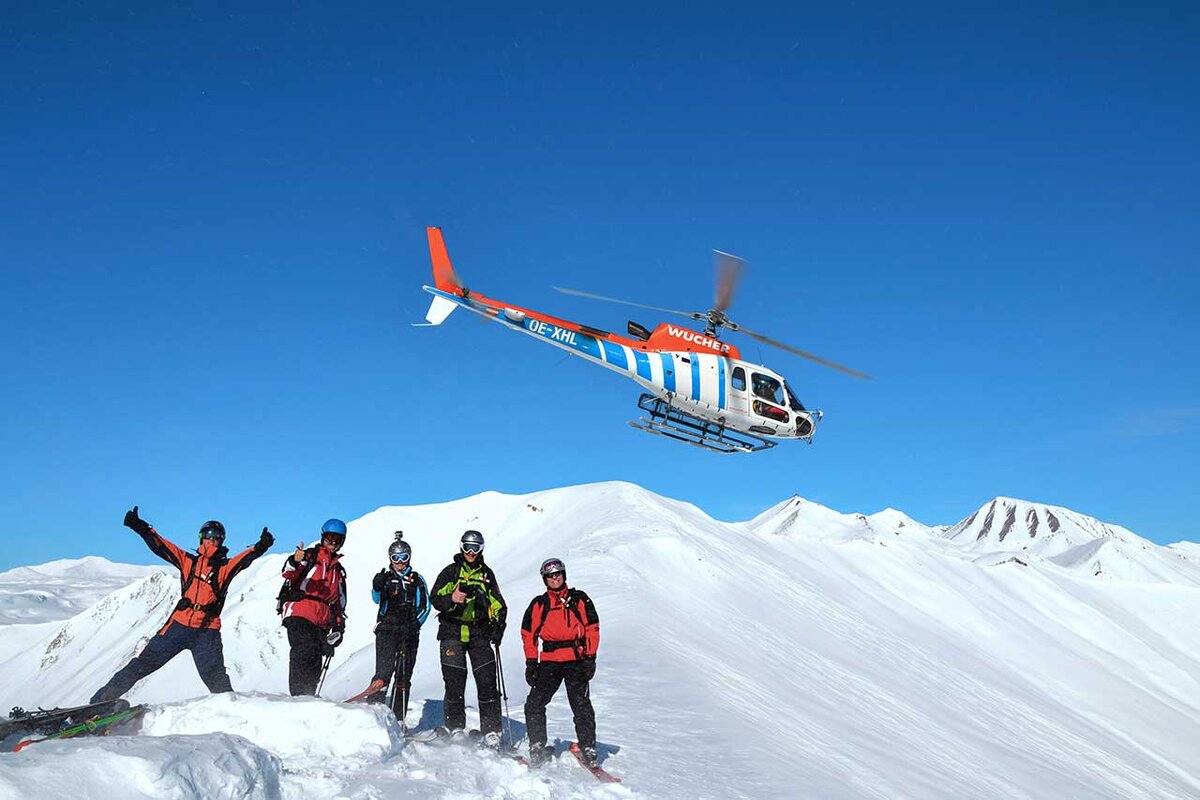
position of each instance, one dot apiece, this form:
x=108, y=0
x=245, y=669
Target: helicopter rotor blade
x=805, y=354
x=727, y=269
x=578, y=293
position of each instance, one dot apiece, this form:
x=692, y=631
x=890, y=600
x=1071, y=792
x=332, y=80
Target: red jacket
x=204, y=578
x=318, y=588
x=566, y=623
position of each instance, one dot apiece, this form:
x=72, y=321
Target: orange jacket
x=204, y=578
x=320, y=595
x=566, y=623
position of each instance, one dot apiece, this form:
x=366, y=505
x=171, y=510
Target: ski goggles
x=472, y=547
x=212, y=533
x=399, y=558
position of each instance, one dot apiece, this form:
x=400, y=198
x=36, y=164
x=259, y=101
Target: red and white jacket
x=566, y=624
x=318, y=588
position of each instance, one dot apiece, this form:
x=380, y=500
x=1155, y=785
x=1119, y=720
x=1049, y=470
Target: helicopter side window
x=793, y=401
x=767, y=388
x=739, y=379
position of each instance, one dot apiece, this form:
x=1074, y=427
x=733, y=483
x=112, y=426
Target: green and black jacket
x=484, y=612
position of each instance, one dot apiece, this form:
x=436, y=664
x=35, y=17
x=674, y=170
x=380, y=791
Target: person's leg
x=483, y=666
x=386, y=642
x=209, y=655
x=580, y=696
x=406, y=660
x=158, y=651
x=454, y=674
x=307, y=651
x=549, y=677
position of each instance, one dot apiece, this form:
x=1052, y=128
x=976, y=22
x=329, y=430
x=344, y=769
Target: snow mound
x=218, y=765
x=298, y=730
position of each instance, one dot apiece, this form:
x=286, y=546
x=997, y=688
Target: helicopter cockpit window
x=793, y=401
x=739, y=379
x=767, y=388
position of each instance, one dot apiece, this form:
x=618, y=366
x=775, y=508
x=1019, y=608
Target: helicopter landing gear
x=674, y=423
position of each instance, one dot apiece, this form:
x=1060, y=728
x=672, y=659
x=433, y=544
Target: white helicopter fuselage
x=715, y=386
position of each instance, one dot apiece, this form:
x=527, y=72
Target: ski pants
x=207, y=652
x=308, y=648
x=395, y=651
x=551, y=674
x=454, y=673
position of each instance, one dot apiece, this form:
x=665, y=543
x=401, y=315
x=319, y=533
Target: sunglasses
x=550, y=575
x=399, y=557
x=472, y=548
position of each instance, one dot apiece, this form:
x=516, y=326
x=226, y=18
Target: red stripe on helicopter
x=672, y=337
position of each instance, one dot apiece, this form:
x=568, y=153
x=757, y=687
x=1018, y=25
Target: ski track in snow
x=804, y=653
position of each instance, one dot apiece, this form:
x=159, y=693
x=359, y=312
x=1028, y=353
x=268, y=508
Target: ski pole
x=503, y=693
x=401, y=676
x=324, y=669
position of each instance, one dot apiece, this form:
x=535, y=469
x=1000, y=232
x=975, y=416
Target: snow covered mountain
x=61, y=589
x=1009, y=528
x=804, y=652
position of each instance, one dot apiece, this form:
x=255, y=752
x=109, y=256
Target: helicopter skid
x=674, y=423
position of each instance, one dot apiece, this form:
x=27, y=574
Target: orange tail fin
x=443, y=271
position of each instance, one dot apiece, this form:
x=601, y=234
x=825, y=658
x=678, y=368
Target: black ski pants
x=395, y=651
x=207, y=652
x=454, y=673
x=308, y=647
x=550, y=675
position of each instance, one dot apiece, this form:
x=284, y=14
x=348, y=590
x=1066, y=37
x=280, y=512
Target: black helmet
x=471, y=541
x=400, y=547
x=551, y=566
x=212, y=530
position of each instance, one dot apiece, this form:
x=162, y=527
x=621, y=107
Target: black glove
x=531, y=671
x=265, y=541
x=136, y=523
x=588, y=670
x=496, y=635
x=327, y=649
x=379, y=581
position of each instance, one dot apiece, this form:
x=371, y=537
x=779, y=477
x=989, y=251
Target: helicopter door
x=738, y=401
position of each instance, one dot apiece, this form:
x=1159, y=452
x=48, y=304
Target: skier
x=471, y=617
x=403, y=600
x=195, y=623
x=566, y=622
x=314, y=609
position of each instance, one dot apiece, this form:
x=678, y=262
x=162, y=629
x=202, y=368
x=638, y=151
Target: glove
x=136, y=523
x=327, y=649
x=379, y=581
x=333, y=639
x=496, y=635
x=531, y=671
x=265, y=540
x=588, y=670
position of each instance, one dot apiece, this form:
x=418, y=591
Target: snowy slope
x=802, y=653
x=61, y=589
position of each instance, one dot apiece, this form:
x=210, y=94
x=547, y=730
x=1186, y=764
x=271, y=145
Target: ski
x=43, y=722
x=99, y=725
x=426, y=737
x=601, y=774
x=375, y=687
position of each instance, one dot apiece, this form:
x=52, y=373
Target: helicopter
x=699, y=390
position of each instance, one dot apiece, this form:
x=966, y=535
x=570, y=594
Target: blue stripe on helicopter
x=643, y=364
x=720, y=381
x=695, y=359
x=576, y=340
x=615, y=354
x=668, y=371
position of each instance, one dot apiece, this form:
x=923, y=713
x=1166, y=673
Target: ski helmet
x=212, y=530
x=334, y=526
x=552, y=566
x=471, y=542
x=399, y=548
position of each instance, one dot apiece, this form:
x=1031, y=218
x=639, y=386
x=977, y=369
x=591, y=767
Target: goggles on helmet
x=212, y=533
x=552, y=567
x=399, y=558
x=472, y=547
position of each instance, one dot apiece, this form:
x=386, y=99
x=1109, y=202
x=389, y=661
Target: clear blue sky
x=212, y=245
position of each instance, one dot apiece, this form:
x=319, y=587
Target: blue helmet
x=334, y=526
